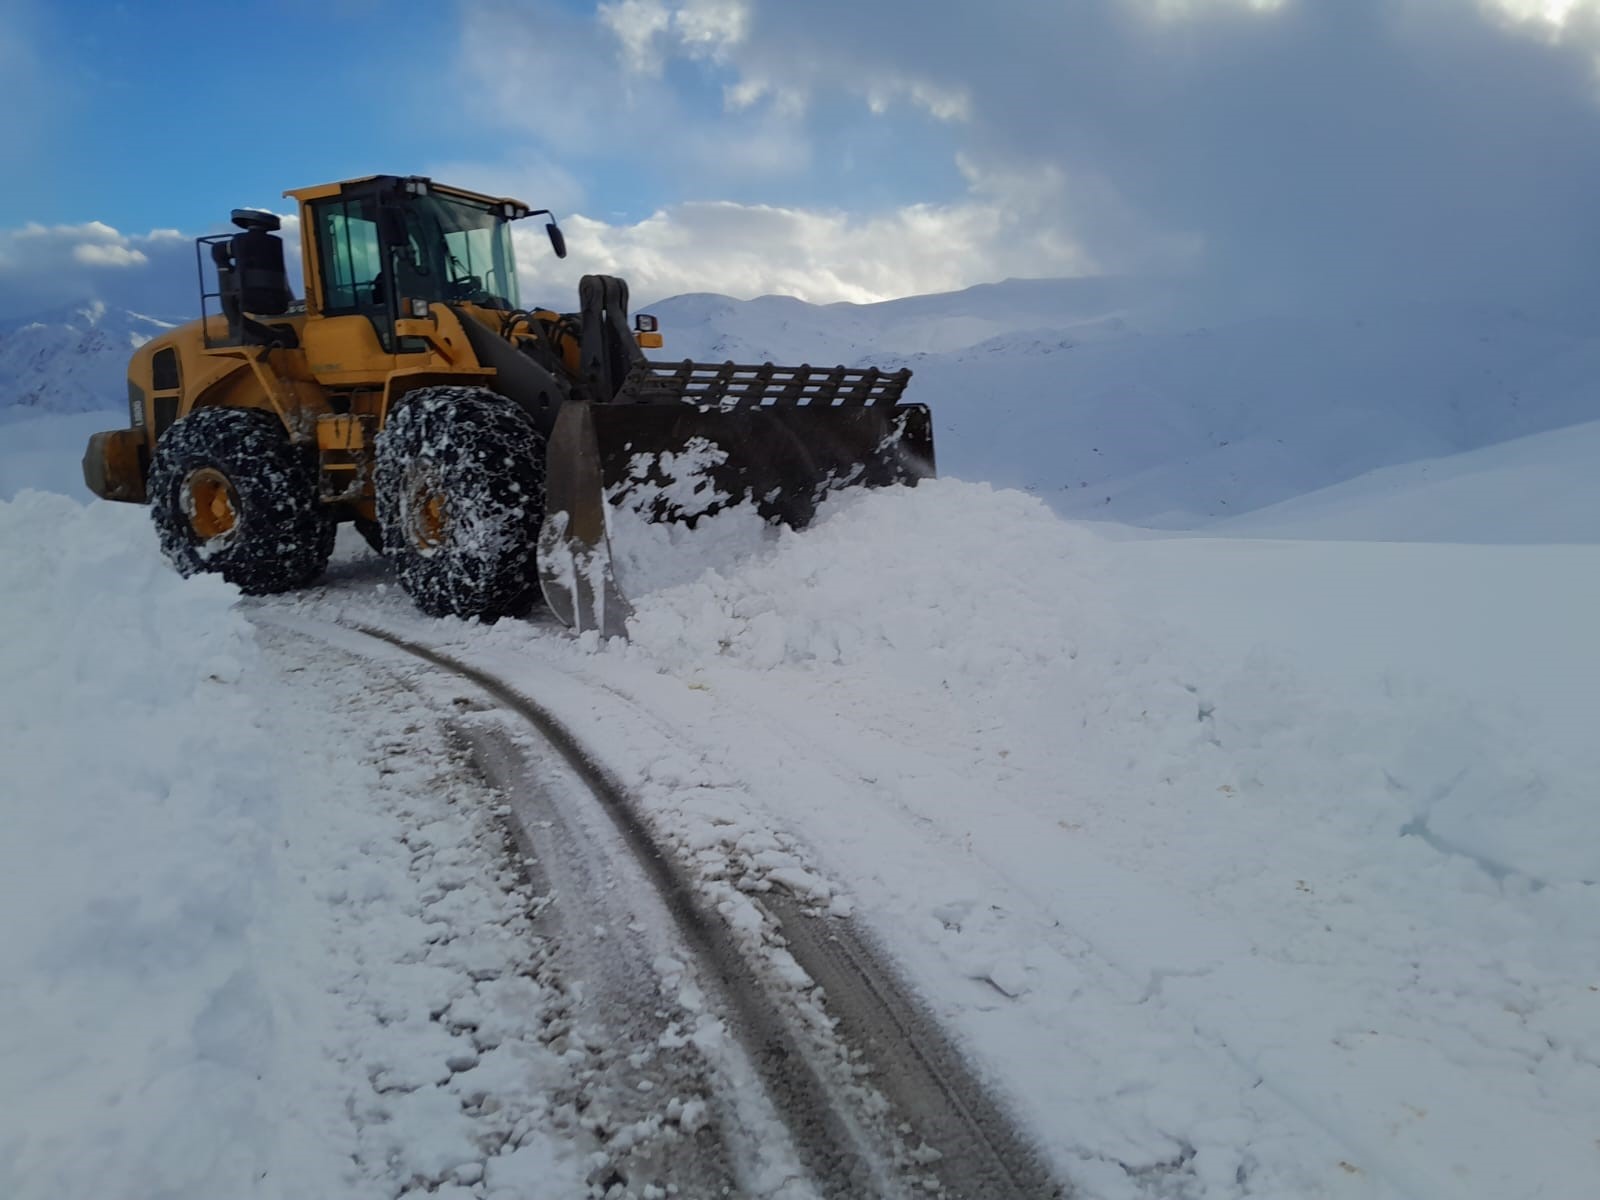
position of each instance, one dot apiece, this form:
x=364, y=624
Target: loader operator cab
x=385, y=248
x=392, y=246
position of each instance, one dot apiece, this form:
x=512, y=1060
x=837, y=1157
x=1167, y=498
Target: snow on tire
x=460, y=495
x=231, y=496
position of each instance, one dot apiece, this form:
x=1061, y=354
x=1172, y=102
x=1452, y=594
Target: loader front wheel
x=460, y=492
x=231, y=496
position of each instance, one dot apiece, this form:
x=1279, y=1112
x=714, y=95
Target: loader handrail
x=746, y=385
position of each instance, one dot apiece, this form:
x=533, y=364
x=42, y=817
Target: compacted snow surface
x=1193, y=904
x=1218, y=915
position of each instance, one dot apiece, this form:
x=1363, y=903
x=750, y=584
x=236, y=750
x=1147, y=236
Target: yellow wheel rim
x=427, y=526
x=211, y=506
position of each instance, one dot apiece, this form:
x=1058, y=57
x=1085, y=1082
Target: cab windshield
x=457, y=250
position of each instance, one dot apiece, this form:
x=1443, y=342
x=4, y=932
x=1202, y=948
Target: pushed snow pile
x=135, y=870
x=944, y=577
x=985, y=594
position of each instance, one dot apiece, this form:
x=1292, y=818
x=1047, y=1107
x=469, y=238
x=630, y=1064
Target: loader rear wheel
x=231, y=496
x=460, y=492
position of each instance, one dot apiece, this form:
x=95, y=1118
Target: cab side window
x=352, y=256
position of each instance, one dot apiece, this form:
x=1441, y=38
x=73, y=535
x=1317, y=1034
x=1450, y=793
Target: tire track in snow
x=885, y=1105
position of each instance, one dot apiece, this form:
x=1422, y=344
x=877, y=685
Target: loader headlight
x=418, y=309
x=136, y=412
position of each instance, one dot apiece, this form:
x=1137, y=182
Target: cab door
x=354, y=341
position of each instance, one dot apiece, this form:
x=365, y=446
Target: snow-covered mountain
x=70, y=360
x=1123, y=400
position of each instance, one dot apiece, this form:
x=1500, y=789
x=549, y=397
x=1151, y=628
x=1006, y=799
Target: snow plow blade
x=658, y=458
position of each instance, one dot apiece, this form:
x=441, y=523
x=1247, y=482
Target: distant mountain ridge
x=71, y=359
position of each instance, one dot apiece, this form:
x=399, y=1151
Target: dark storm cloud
x=1411, y=145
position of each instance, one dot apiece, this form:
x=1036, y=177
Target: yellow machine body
x=408, y=287
x=336, y=375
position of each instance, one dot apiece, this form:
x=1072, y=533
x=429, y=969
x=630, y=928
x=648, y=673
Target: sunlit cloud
x=1180, y=10
x=1004, y=226
x=1551, y=12
x=1282, y=147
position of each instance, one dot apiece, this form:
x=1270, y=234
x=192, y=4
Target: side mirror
x=558, y=243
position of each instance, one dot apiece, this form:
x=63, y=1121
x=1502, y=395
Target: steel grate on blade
x=747, y=385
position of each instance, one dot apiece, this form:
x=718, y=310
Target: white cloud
x=1180, y=10
x=637, y=24
x=1278, y=145
x=99, y=254
x=1553, y=12
x=532, y=179
x=727, y=32
x=581, y=90
x=717, y=25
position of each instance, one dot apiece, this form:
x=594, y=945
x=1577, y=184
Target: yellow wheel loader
x=486, y=449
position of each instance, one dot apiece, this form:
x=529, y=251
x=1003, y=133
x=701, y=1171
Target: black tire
x=268, y=532
x=460, y=492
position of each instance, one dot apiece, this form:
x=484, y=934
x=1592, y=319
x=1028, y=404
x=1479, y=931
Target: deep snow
x=1255, y=863
x=1220, y=920
x=1375, y=895
x=1230, y=906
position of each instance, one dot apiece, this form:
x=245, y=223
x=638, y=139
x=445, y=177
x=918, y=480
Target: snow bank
x=145, y=1052
x=937, y=580
x=960, y=586
x=1379, y=900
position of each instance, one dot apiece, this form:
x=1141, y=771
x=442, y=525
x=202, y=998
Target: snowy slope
x=69, y=360
x=783, y=329
x=1346, y=881
x=1541, y=488
x=1117, y=401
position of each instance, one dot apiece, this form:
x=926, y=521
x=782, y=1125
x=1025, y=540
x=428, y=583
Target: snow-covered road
x=777, y=1019
x=1214, y=920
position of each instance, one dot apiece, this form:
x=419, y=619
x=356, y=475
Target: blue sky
x=832, y=149
x=169, y=114
x=172, y=113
